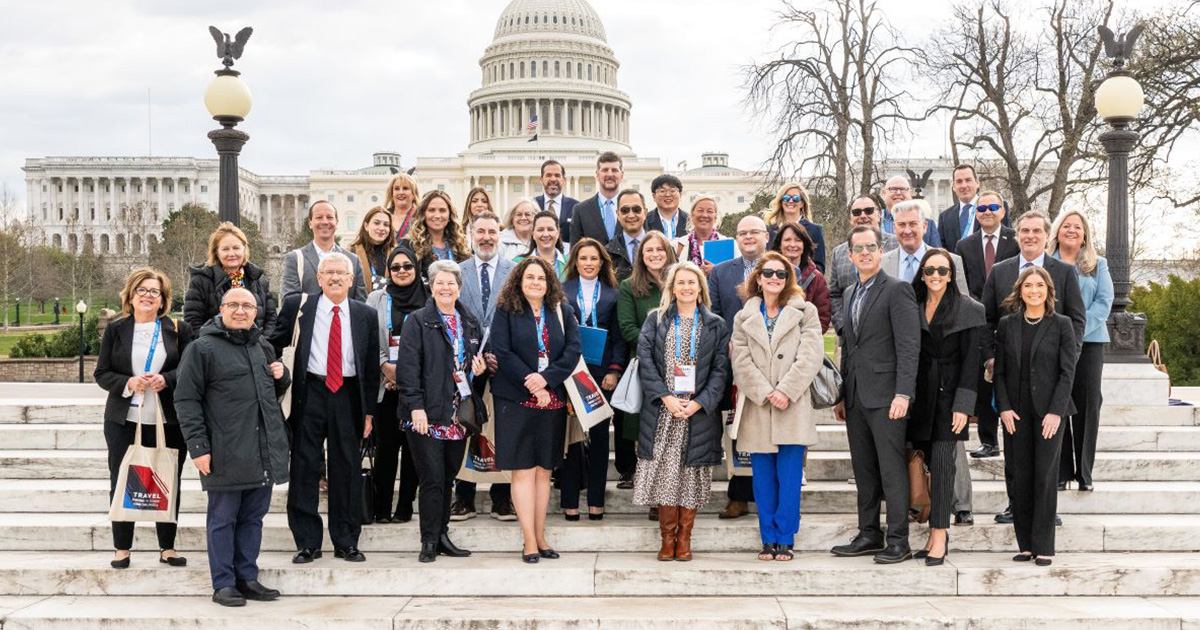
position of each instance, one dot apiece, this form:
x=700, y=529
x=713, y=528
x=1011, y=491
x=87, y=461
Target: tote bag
x=628, y=395
x=289, y=353
x=479, y=458
x=737, y=463
x=147, y=490
x=587, y=401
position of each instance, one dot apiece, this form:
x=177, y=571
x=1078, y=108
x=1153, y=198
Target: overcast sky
x=333, y=82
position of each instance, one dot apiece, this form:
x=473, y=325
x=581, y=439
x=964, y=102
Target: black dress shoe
x=1005, y=516
x=860, y=546
x=447, y=548
x=1062, y=485
x=174, y=561
x=429, y=552
x=1085, y=487
x=986, y=450
x=1043, y=562
x=1057, y=521
x=964, y=517
x=350, y=554
x=256, y=591
x=893, y=554
x=123, y=563
x=625, y=482
x=530, y=558
x=548, y=554
x=228, y=596
x=383, y=520
x=304, y=556
x=1023, y=557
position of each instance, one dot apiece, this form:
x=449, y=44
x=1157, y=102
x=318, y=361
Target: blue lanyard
x=153, y=346
x=595, y=302
x=763, y=307
x=456, y=338
x=671, y=224
x=679, y=338
x=540, y=323
x=389, y=313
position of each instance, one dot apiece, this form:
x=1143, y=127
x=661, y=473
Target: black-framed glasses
x=143, y=291
x=775, y=273
x=941, y=271
x=402, y=267
x=858, y=212
x=869, y=247
x=791, y=198
x=989, y=207
x=631, y=209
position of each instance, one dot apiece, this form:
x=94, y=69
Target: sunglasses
x=858, y=212
x=403, y=267
x=941, y=271
x=791, y=198
x=991, y=207
x=869, y=247
x=775, y=273
x=631, y=209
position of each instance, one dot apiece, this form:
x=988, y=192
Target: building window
x=589, y=72
x=587, y=188
x=545, y=68
x=442, y=187
x=104, y=243
x=522, y=71
x=517, y=187
x=556, y=73
x=488, y=187
x=203, y=189
x=741, y=199
x=329, y=198
x=60, y=214
x=351, y=219
x=186, y=188
x=57, y=240
x=93, y=214
x=533, y=69
x=349, y=198
x=76, y=187
x=43, y=188
x=510, y=70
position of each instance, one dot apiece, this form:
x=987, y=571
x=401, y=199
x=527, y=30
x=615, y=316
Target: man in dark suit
x=722, y=288
x=1033, y=229
x=666, y=217
x=631, y=210
x=552, y=199
x=958, y=221
x=880, y=347
x=597, y=217
x=335, y=380
x=302, y=278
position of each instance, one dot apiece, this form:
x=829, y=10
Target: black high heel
x=931, y=561
x=595, y=516
x=123, y=563
x=1043, y=562
x=174, y=561
x=571, y=517
x=1023, y=557
x=530, y=558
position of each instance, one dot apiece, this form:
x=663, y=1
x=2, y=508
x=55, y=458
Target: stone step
x=617, y=533
x=563, y=613
x=91, y=410
x=822, y=466
x=620, y=574
x=838, y=497
x=832, y=438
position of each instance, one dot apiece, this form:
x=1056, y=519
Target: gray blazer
x=472, y=296
x=891, y=266
x=291, y=276
x=842, y=275
x=879, y=357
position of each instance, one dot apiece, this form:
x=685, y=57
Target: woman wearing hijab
x=403, y=294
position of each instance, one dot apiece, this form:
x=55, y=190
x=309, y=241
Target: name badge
x=543, y=363
x=685, y=379
x=464, y=387
x=394, y=349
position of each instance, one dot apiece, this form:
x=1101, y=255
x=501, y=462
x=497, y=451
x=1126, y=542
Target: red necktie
x=989, y=256
x=333, y=365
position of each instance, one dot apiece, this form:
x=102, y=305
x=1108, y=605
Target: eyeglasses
x=631, y=209
x=775, y=273
x=745, y=233
x=991, y=207
x=333, y=272
x=240, y=306
x=858, y=212
x=667, y=190
x=897, y=189
x=402, y=267
x=869, y=247
x=791, y=198
x=941, y=271
x=143, y=291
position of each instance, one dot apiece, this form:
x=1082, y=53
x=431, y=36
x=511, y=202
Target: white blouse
x=142, y=333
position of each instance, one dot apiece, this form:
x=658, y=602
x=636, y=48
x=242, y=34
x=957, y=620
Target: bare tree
x=832, y=96
x=14, y=251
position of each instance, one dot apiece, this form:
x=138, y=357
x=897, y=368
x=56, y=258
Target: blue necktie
x=964, y=219
x=910, y=268
x=610, y=219
x=485, y=285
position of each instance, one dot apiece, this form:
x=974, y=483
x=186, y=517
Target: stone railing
x=46, y=370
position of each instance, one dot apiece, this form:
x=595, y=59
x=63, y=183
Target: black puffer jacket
x=209, y=284
x=712, y=375
x=425, y=372
x=227, y=403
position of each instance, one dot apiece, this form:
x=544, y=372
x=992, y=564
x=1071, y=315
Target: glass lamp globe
x=227, y=97
x=1120, y=98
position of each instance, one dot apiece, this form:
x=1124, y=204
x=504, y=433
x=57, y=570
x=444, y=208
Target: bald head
x=752, y=236
x=238, y=309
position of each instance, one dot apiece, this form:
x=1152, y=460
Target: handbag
x=826, y=388
x=919, y=503
x=147, y=485
x=471, y=415
x=479, y=458
x=628, y=395
x=367, y=462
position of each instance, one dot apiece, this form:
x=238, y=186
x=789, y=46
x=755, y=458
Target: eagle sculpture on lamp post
x=228, y=49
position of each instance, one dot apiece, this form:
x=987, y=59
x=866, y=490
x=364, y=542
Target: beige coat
x=788, y=362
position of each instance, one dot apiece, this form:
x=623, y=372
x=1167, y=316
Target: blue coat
x=515, y=344
x=616, y=351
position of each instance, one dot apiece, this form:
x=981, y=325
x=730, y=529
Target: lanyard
x=670, y=225
x=679, y=338
x=540, y=323
x=763, y=307
x=595, y=302
x=389, y=312
x=404, y=226
x=153, y=346
x=454, y=334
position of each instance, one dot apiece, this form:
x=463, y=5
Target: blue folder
x=592, y=340
x=717, y=252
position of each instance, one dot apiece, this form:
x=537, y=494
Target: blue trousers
x=777, y=478
x=234, y=532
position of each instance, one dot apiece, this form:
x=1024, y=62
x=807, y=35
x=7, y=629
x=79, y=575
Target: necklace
x=1031, y=322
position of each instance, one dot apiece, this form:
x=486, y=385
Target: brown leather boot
x=734, y=509
x=683, y=548
x=668, y=526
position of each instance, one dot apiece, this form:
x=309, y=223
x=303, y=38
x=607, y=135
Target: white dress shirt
x=1040, y=261
x=318, y=351
x=546, y=199
x=965, y=230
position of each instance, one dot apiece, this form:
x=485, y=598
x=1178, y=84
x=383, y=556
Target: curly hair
x=607, y=275
x=512, y=298
x=419, y=235
x=643, y=281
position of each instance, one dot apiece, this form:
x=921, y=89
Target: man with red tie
x=336, y=378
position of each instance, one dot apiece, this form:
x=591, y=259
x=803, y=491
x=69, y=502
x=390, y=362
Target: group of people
x=435, y=322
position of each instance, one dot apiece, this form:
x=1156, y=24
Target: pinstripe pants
x=940, y=457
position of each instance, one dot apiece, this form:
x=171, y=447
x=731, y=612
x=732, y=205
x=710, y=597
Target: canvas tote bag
x=147, y=490
x=289, y=353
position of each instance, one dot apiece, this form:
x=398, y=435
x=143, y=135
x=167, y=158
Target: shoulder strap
x=807, y=282
x=300, y=269
x=296, y=324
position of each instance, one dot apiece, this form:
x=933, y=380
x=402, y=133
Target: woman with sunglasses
x=947, y=377
x=403, y=294
x=792, y=204
x=777, y=351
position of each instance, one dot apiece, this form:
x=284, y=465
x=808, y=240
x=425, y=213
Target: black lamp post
x=228, y=101
x=57, y=310
x=1119, y=100
x=18, y=312
x=81, y=308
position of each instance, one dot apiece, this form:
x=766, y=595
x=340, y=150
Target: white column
x=270, y=217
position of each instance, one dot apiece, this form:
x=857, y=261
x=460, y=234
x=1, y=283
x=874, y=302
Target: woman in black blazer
x=536, y=342
x=947, y=378
x=228, y=267
x=138, y=356
x=591, y=290
x=1034, y=370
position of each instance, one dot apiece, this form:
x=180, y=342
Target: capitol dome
x=549, y=59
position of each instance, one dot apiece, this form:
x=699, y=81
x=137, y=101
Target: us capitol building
x=547, y=57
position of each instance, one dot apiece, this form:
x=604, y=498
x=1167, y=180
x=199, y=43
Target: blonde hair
x=668, y=293
x=136, y=278
x=773, y=215
x=408, y=181
x=214, y=240
x=419, y=237
x=1087, y=259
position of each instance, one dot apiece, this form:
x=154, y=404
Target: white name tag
x=394, y=349
x=685, y=379
x=464, y=387
x=543, y=363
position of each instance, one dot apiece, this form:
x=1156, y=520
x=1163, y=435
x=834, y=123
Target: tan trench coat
x=788, y=362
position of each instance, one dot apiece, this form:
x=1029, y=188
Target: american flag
x=532, y=125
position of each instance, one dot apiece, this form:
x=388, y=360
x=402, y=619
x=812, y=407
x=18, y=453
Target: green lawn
x=8, y=341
